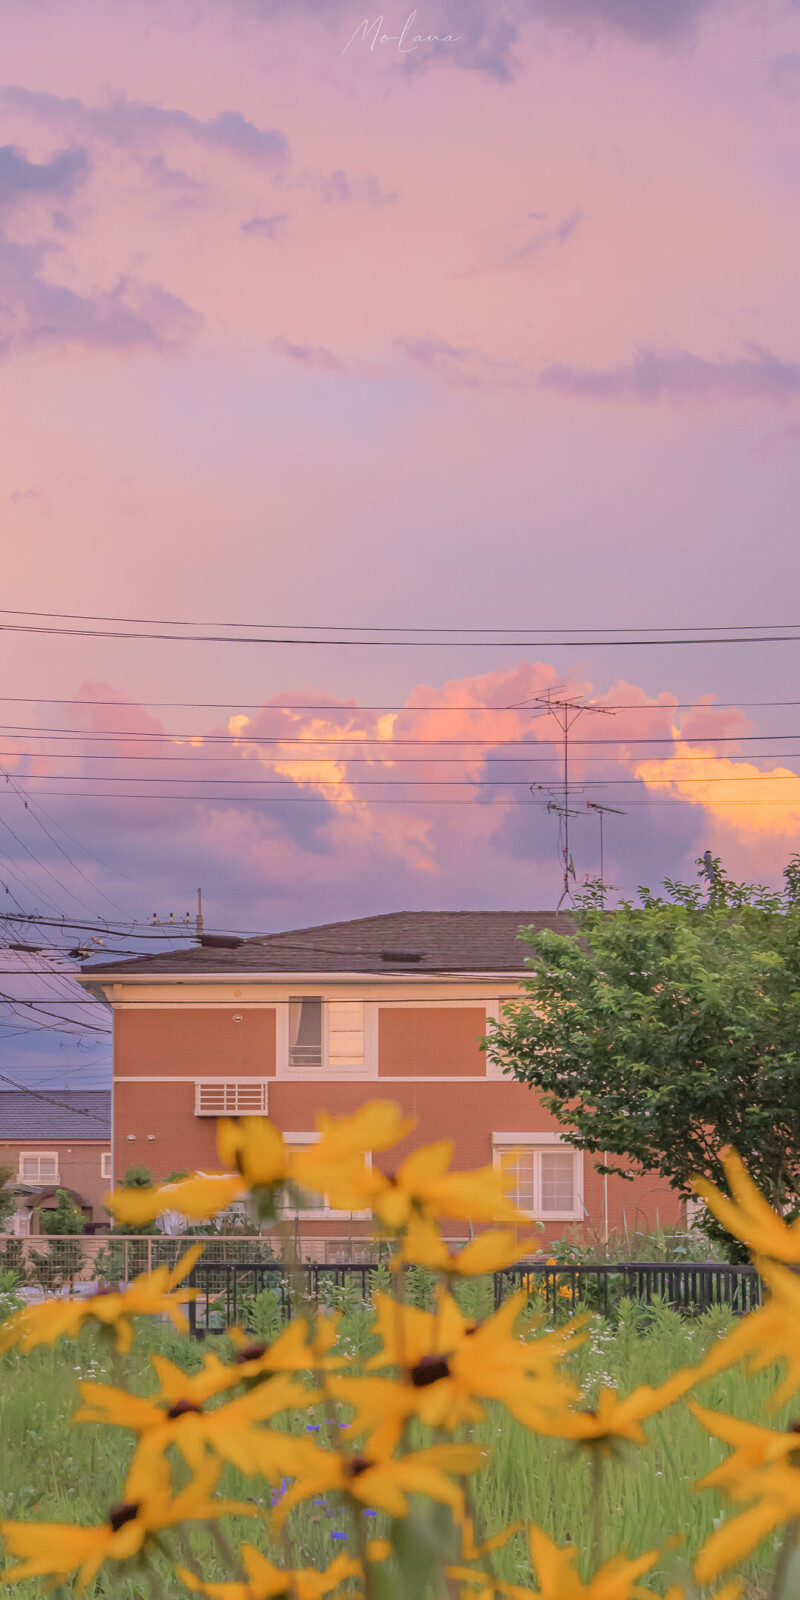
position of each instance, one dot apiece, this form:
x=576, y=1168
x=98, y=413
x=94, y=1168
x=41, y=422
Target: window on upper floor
x=38, y=1166
x=547, y=1177
x=105, y=1164
x=325, y=1035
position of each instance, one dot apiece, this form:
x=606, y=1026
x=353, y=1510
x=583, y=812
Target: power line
x=17, y=730
x=183, y=622
x=335, y=784
x=426, y=642
x=34, y=809
x=37, y=1095
x=352, y=761
x=328, y=705
x=319, y=799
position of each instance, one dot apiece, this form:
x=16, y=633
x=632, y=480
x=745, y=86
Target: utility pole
x=199, y=917
x=594, y=805
x=566, y=711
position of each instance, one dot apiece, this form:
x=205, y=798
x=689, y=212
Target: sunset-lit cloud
x=754, y=802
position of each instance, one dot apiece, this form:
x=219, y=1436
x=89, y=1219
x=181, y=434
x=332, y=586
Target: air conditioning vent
x=224, y=1097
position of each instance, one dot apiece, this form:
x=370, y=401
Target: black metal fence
x=227, y=1289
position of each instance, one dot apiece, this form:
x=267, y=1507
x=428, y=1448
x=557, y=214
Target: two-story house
x=327, y=1017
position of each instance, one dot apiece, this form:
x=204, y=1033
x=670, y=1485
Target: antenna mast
x=566, y=711
x=594, y=805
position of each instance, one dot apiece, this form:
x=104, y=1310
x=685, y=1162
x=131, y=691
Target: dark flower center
x=429, y=1370
x=794, y=1427
x=355, y=1466
x=181, y=1408
x=250, y=1352
x=122, y=1514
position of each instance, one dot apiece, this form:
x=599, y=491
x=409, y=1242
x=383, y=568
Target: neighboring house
x=52, y=1141
x=325, y=1018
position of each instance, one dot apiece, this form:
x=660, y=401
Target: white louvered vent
x=224, y=1097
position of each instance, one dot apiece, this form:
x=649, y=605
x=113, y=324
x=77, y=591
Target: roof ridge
x=385, y=916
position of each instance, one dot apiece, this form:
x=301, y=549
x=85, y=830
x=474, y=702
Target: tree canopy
x=668, y=1030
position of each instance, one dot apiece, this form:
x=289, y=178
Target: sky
x=476, y=317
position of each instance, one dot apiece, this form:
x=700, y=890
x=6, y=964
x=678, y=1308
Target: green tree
x=64, y=1258
x=6, y=1197
x=669, y=1030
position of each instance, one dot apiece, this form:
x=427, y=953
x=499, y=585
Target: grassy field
x=53, y=1471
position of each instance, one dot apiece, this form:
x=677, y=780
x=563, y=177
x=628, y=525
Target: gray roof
x=440, y=941
x=59, y=1114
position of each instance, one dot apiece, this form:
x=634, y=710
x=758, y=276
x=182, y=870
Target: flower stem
x=596, y=1482
x=361, y=1545
x=229, y=1559
x=788, y=1546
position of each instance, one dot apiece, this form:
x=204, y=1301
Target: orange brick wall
x=203, y=1042
x=78, y=1167
x=156, y=1127
x=421, y=1041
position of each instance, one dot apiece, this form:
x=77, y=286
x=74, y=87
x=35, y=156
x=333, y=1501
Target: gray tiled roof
x=444, y=941
x=62, y=1114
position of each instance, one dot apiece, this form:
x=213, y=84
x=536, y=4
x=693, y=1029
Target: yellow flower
x=748, y=1216
x=336, y=1165
x=382, y=1481
x=765, y=1336
x=472, y=1552
x=613, y=1420
x=152, y=1294
x=200, y=1197
x=265, y=1580
x=296, y=1349
x=450, y=1364
x=56, y=1550
x=764, y=1467
x=424, y=1186
x=255, y=1148
x=176, y=1416
x=423, y=1245
x=558, y=1580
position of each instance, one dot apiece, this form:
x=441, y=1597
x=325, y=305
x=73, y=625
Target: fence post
x=150, y=1252
x=125, y=1269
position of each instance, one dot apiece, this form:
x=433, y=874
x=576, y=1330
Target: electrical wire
x=325, y=627
x=427, y=641
x=37, y=1095
x=328, y=705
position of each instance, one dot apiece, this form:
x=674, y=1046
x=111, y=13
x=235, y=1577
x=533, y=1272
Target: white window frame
x=323, y=1211
x=368, y=1068
x=38, y=1155
x=539, y=1143
x=226, y=1093
x=105, y=1165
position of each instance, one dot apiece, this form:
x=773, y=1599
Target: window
x=105, y=1164
x=38, y=1166
x=305, y=1032
x=315, y=1205
x=346, y=1033
x=222, y=1097
x=326, y=1036
x=548, y=1175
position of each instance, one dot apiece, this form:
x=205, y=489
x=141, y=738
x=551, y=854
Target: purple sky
x=297, y=328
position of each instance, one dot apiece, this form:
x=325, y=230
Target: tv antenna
x=566, y=710
x=603, y=811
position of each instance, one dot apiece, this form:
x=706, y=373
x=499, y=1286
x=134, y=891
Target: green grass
x=56, y=1472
